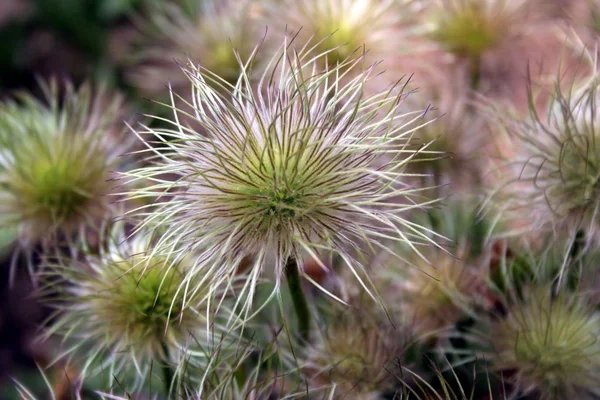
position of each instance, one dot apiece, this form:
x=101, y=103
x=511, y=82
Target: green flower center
x=282, y=203
x=579, y=175
x=149, y=298
x=277, y=192
x=342, y=37
x=59, y=182
x=222, y=61
x=56, y=188
x=468, y=31
x=552, y=339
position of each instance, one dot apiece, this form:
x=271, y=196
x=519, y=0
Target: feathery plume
x=121, y=310
x=220, y=35
x=550, y=182
x=56, y=159
x=343, y=28
x=551, y=343
x=297, y=164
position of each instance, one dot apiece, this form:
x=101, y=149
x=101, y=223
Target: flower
x=220, y=35
x=550, y=343
x=489, y=45
x=122, y=310
x=298, y=163
x=436, y=296
x=56, y=160
x=470, y=28
x=343, y=28
x=431, y=297
x=356, y=355
x=551, y=180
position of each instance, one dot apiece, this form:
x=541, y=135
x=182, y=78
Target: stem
x=298, y=298
x=475, y=72
x=167, y=371
x=577, y=245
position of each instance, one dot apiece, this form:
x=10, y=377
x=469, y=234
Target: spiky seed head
x=213, y=34
x=470, y=28
x=299, y=163
x=56, y=159
x=345, y=27
x=356, y=354
x=551, y=342
x=124, y=307
x=432, y=297
x=551, y=180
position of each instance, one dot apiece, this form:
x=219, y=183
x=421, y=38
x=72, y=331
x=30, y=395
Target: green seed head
x=356, y=355
x=141, y=299
x=578, y=173
x=469, y=31
x=301, y=162
x=552, y=342
x=343, y=28
x=344, y=38
x=553, y=179
x=211, y=34
x=470, y=28
x=56, y=162
x=125, y=307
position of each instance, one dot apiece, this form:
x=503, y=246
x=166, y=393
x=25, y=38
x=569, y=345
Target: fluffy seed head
x=355, y=355
x=431, y=297
x=552, y=180
x=469, y=28
x=436, y=296
x=551, y=342
x=214, y=34
x=343, y=27
x=124, y=306
x=56, y=159
x=298, y=164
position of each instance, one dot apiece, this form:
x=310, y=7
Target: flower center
x=149, y=299
x=339, y=36
x=468, y=31
x=283, y=203
x=579, y=174
x=222, y=61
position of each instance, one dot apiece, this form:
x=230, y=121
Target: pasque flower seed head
x=299, y=163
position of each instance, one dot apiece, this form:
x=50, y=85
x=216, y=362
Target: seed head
x=551, y=342
x=297, y=164
x=436, y=296
x=356, y=355
x=214, y=34
x=431, y=297
x=470, y=28
x=345, y=27
x=552, y=179
x=56, y=160
x=124, y=306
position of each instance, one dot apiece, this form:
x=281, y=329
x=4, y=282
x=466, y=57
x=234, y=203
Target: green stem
x=167, y=371
x=475, y=73
x=298, y=298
